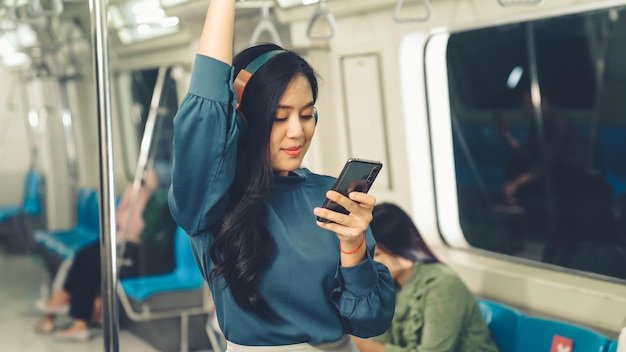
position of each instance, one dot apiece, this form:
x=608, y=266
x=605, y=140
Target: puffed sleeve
x=365, y=296
x=205, y=147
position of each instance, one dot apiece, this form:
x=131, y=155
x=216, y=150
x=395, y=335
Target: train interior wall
x=366, y=29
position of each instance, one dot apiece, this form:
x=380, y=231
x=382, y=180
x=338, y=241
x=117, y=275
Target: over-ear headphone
x=242, y=79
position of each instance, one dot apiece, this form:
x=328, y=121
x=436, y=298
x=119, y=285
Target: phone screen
x=357, y=175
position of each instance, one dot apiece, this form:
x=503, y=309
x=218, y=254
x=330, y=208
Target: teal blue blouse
x=313, y=298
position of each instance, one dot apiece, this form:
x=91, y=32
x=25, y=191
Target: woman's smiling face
x=294, y=126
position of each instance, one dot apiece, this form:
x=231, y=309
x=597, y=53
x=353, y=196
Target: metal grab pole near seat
x=70, y=139
x=110, y=325
x=144, y=156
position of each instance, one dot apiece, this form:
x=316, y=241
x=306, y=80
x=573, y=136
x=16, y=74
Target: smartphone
x=357, y=175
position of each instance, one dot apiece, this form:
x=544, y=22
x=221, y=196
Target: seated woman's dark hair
x=242, y=246
x=396, y=233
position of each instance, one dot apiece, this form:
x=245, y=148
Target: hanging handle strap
x=397, y=13
x=37, y=9
x=322, y=12
x=265, y=25
x=519, y=3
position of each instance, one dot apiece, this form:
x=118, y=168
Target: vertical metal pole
x=70, y=140
x=144, y=153
x=535, y=95
x=107, y=203
x=32, y=121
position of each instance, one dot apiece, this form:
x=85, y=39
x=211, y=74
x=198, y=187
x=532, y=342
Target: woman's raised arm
x=216, y=40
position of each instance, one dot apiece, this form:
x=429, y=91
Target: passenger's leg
x=57, y=302
x=82, y=283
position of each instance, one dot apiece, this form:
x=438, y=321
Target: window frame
x=441, y=147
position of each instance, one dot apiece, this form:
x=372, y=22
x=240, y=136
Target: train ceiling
x=31, y=27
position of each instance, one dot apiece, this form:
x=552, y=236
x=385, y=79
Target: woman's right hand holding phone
x=350, y=228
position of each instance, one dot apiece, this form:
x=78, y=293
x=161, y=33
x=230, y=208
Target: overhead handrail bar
x=11, y=18
x=397, y=13
x=519, y=3
x=265, y=25
x=322, y=12
x=13, y=12
x=36, y=11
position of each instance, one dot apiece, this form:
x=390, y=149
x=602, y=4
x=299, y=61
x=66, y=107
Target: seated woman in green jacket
x=434, y=311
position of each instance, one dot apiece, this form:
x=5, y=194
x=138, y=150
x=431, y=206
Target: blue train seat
x=612, y=346
x=66, y=243
x=171, y=308
x=538, y=334
x=17, y=222
x=503, y=322
x=8, y=211
x=186, y=275
x=31, y=202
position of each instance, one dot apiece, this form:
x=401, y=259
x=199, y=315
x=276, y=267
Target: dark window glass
x=543, y=179
x=161, y=152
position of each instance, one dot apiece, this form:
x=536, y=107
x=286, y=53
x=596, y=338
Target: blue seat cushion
x=32, y=199
x=186, y=275
x=502, y=321
x=140, y=288
x=537, y=334
x=613, y=346
x=65, y=243
x=8, y=212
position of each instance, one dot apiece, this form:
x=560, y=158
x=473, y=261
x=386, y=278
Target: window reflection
x=161, y=153
x=543, y=176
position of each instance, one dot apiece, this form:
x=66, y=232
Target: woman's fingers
x=359, y=206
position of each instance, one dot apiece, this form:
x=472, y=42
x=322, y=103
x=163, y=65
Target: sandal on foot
x=59, y=310
x=76, y=336
x=45, y=326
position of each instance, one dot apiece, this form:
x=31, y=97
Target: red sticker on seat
x=561, y=344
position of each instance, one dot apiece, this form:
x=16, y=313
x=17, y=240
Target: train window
x=143, y=86
x=538, y=135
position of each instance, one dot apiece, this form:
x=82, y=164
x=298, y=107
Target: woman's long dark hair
x=242, y=246
x=395, y=232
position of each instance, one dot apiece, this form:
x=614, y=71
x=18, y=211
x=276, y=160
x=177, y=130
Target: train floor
x=21, y=277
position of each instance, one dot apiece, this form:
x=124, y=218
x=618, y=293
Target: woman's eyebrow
x=310, y=104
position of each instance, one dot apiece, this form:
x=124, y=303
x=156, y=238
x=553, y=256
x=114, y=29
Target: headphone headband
x=261, y=60
x=245, y=74
x=242, y=79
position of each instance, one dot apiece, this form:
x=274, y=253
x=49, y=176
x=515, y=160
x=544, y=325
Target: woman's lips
x=293, y=151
